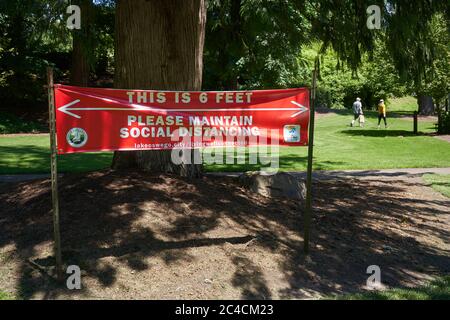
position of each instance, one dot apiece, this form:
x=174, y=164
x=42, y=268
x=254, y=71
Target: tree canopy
x=248, y=44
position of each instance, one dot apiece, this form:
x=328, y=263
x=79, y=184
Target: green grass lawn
x=439, y=182
x=438, y=289
x=337, y=146
x=5, y=296
x=31, y=154
x=406, y=104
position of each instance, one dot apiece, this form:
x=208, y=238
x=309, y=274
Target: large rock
x=275, y=186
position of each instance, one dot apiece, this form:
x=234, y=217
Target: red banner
x=93, y=119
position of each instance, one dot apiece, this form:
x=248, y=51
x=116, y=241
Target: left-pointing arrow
x=66, y=106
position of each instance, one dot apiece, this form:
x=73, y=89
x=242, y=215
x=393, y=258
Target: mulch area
x=145, y=236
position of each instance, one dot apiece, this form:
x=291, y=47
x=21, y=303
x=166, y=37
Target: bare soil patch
x=445, y=137
x=142, y=236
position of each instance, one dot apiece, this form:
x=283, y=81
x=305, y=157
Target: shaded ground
x=143, y=236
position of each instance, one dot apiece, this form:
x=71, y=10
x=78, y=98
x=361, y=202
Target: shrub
x=443, y=121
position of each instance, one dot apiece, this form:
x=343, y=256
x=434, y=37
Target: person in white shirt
x=357, y=111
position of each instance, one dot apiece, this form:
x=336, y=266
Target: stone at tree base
x=277, y=185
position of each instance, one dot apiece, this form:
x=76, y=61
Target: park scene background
x=381, y=195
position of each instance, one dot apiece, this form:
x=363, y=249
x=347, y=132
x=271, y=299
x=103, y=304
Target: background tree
x=83, y=45
x=93, y=45
x=406, y=33
x=339, y=85
x=250, y=44
x=159, y=45
x=254, y=43
x=433, y=86
x=27, y=28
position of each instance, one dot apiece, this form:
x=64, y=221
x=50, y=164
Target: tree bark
x=426, y=105
x=159, y=45
x=82, y=49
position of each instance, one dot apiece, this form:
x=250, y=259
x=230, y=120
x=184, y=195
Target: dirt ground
x=444, y=137
x=142, y=236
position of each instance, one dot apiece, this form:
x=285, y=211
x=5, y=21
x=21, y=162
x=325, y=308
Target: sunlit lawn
x=31, y=154
x=5, y=296
x=438, y=289
x=439, y=182
x=337, y=146
x=406, y=104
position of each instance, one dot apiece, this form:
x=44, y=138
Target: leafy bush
x=443, y=122
x=12, y=124
x=339, y=86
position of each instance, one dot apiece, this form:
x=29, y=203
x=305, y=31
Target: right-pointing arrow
x=302, y=109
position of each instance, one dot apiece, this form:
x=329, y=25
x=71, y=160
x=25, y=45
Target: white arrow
x=135, y=107
x=65, y=109
x=302, y=109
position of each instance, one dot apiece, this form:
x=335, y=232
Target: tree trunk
x=82, y=49
x=426, y=106
x=159, y=45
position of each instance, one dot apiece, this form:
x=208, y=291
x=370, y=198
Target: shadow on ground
x=114, y=221
x=381, y=133
x=34, y=159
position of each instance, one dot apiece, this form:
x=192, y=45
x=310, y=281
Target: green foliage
x=12, y=124
x=341, y=25
x=5, y=296
x=443, y=121
x=339, y=85
x=33, y=35
x=253, y=44
x=435, y=80
x=104, y=38
x=27, y=31
x=439, y=182
x=96, y=35
x=411, y=36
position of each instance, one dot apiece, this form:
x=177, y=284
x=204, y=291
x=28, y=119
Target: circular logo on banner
x=77, y=137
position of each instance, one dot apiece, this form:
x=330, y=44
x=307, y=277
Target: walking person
x=382, y=113
x=357, y=112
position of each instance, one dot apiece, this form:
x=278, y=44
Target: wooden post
x=415, y=122
x=308, y=203
x=54, y=174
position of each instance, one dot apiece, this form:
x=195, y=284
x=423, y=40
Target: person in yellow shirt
x=382, y=113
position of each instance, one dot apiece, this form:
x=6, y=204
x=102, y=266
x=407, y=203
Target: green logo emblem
x=77, y=137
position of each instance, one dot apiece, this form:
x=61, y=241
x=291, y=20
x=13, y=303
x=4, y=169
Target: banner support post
x=54, y=173
x=308, y=202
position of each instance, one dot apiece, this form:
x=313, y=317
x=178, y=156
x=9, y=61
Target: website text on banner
x=93, y=119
